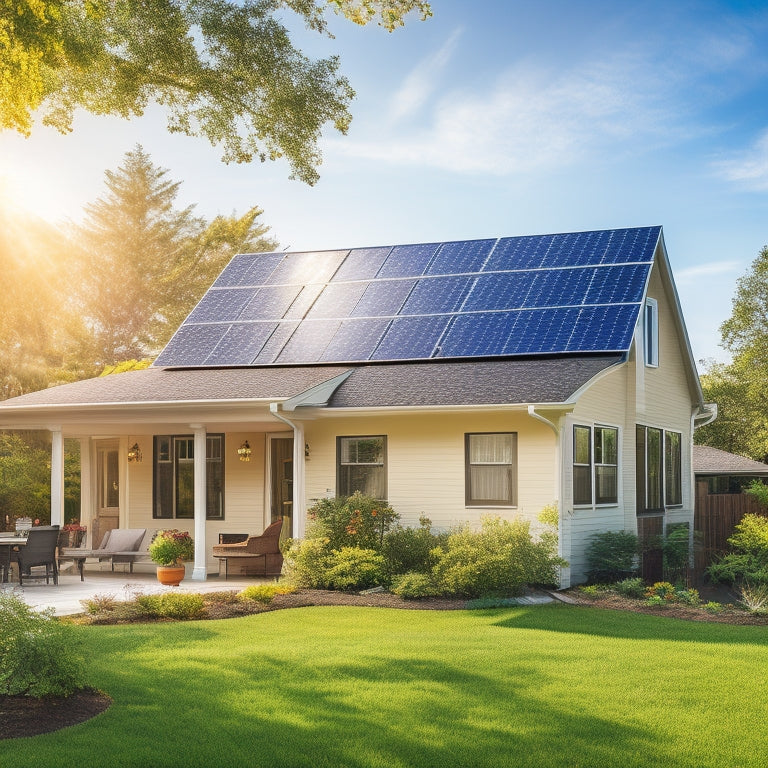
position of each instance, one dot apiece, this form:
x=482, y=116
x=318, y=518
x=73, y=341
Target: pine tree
x=144, y=263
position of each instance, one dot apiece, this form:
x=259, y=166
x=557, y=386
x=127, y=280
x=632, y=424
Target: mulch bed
x=22, y=716
x=27, y=716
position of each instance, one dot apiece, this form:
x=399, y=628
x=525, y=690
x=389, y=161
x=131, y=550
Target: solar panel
x=545, y=294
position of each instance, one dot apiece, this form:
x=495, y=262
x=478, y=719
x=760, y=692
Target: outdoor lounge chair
x=40, y=549
x=256, y=556
x=120, y=545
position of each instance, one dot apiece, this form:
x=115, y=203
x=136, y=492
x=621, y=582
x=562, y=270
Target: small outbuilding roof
x=713, y=461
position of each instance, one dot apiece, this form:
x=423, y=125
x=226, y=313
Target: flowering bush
x=172, y=547
x=352, y=521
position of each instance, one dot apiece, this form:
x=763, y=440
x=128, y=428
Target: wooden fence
x=714, y=519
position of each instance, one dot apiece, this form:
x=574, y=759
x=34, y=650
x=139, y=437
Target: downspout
x=709, y=412
x=562, y=550
x=299, y=511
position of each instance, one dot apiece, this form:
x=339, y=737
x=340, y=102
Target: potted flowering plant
x=169, y=549
x=75, y=534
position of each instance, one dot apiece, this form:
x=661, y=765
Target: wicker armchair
x=256, y=556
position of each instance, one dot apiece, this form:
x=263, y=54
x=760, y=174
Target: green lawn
x=549, y=686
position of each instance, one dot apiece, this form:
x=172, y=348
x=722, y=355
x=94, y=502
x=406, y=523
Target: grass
x=531, y=686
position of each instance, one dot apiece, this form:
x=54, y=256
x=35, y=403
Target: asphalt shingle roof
x=713, y=461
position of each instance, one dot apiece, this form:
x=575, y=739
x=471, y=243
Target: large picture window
x=174, y=477
x=659, y=469
x=361, y=466
x=491, y=469
x=595, y=465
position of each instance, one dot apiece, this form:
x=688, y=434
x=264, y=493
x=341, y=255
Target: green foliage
x=713, y=607
x=663, y=593
x=352, y=568
x=501, y=558
x=171, y=547
x=264, y=593
x=634, y=587
x=101, y=603
x=306, y=562
x=38, y=655
x=414, y=585
x=738, y=387
x=172, y=605
x=758, y=490
x=352, y=521
x=611, y=556
x=410, y=549
x=223, y=69
x=748, y=562
x=25, y=476
x=592, y=590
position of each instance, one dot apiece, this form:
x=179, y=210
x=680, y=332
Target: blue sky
x=497, y=118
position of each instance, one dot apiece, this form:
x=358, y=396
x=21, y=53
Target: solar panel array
x=546, y=294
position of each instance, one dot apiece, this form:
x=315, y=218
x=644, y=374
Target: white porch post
x=86, y=504
x=200, y=571
x=57, y=476
x=299, y=470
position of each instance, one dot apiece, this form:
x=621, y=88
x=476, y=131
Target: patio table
x=7, y=542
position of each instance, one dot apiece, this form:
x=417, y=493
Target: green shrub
x=306, y=563
x=500, y=559
x=631, y=587
x=713, y=607
x=172, y=605
x=351, y=521
x=611, y=556
x=759, y=490
x=591, y=590
x=656, y=601
x=351, y=568
x=38, y=655
x=748, y=562
x=662, y=589
x=688, y=596
x=409, y=549
x=264, y=593
x=413, y=586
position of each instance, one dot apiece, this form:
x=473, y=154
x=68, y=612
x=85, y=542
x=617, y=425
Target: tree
x=226, y=70
x=738, y=387
x=32, y=265
x=144, y=264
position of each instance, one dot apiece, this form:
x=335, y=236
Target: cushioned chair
x=256, y=556
x=40, y=549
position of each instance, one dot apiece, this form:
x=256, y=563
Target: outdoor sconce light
x=306, y=450
x=244, y=452
x=134, y=453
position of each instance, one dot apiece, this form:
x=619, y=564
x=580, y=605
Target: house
x=454, y=379
x=723, y=472
x=720, y=505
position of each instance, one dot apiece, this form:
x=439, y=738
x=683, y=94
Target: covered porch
x=207, y=451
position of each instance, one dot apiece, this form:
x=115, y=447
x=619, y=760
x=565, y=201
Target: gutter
x=299, y=469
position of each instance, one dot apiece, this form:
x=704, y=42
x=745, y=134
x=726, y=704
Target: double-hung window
x=491, y=469
x=595, y=465
x=361, y=466
x=659, y=469
x=174, y=477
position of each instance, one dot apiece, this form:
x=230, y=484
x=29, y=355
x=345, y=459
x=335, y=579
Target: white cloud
x=750, y=168
x=531, y=118
x=419, y=85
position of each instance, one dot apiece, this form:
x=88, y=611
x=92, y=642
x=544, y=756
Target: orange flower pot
x=170, y=575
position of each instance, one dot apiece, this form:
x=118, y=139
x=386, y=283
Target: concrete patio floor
x=65, y=598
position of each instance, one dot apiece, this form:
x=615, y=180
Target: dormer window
x=651, y=333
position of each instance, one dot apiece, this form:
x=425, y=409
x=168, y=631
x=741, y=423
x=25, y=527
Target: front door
x=107, y=490
x=281, y=483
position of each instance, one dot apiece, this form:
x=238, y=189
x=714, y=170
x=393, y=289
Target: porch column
x=299, y=470
x=200, y=570
x=86, y=503
x=57, y=476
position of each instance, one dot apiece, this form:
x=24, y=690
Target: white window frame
x=593, y=464
x=651, y=333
